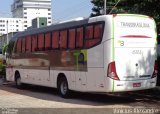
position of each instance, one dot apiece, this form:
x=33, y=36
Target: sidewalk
x=1, y=81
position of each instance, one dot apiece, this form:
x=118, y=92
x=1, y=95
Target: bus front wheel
x=63, y=87
x=18, y=81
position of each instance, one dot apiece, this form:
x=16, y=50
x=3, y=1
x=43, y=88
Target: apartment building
x=31, y=9
x=9, y=25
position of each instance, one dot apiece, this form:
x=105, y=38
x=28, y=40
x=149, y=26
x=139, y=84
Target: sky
x=61, y=9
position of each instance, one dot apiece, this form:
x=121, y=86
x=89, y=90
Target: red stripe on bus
x=135, y=36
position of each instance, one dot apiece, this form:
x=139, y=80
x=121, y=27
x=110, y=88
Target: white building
x=23, y=11
x=9, y=25
x=30, y=9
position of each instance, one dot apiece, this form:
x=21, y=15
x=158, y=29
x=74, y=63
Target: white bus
x=109, y=53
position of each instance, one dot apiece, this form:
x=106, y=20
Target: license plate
x=136, y=84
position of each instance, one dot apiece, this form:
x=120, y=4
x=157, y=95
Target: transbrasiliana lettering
x=135, y=24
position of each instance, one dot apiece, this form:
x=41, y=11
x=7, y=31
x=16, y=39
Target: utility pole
x=7, y=33
x=105, y=2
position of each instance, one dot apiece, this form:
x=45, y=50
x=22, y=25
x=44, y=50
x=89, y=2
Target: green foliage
x=2, y=70
x=99, y=5
x=4, y=49
x=144, y=7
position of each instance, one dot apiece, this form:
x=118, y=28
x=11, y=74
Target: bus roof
x=70, y=24
x=51, y=28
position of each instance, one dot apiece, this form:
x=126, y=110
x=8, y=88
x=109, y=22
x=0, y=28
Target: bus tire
x=63, y=89
x=18, y=81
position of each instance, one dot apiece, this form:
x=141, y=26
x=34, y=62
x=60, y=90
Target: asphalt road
x=39, y=100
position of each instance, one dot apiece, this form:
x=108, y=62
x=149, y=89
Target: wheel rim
x=18, y=81
x=64, y=87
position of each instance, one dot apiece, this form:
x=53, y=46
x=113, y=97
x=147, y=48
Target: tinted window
x=19, y=46
x=89, y=32
x=98, y=31
x=47, y=40
x=23, y=45
x=72, y=39
x=93, y=35
x=63, y=39
x=34, y=43
x=55, y=40
x=41, y=41
x=79, y=37
x=28, y=44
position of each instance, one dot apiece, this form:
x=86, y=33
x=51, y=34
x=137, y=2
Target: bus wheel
x=18, y=81
x=63, y=87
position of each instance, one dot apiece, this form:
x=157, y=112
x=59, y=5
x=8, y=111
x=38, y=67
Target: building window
x=16, y=25
x=25, y=17
x=25, y=8
x=49, y=17
x=49, y=21
x=49, y=9
x=49, y=13
x=25, y=25
x=25, y=12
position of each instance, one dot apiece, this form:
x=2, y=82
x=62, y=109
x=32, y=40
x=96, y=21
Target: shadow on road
x=50, y=94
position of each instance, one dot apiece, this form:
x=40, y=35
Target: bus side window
x=96, y=36
x=19, y=46
x=23, y=45
x=98, y=31
x=41, y=41
x=72, y=39
x=55, y=40
x=28, y=44
x=34, y=43
x=89, y=32
x=63, y=39
x=47, y=41
x=79, y=37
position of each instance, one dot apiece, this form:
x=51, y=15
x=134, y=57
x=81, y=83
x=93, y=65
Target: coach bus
x=109, y=53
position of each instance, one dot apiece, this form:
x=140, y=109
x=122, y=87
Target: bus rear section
x=133, y=65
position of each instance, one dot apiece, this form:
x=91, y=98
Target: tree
x=99, y=6
x=4, y=49
x=144, y=7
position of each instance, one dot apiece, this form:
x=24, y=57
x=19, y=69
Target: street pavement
x=42, y=100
